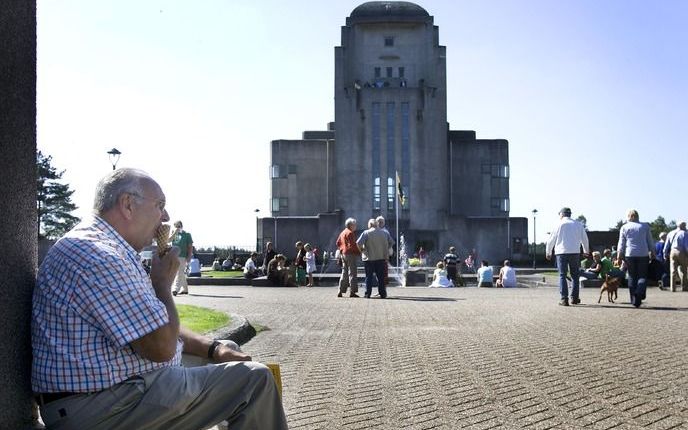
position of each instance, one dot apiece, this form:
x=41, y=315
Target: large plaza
x=468, y=357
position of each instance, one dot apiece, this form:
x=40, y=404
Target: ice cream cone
x=161, y=237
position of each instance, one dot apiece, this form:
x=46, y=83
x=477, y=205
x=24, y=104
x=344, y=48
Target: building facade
x=391, y=121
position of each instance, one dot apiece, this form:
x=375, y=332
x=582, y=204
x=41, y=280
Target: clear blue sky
x=591, y=95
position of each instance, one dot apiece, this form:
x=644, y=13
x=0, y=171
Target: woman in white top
x=507, y=276
x=440, y=279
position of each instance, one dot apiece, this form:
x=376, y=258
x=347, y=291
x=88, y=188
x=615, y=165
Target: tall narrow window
x=391, y=195
x=405, y=153
x=378, y=72
x=376, y=194
x=275, y=171
x=391, y=143
x=389, y=41
x=401, y=72
x=375, y=156
x=390, y=72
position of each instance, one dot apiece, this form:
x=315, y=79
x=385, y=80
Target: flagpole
x=396, y=210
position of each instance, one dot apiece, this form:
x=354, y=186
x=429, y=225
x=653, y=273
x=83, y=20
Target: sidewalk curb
x=240, y=330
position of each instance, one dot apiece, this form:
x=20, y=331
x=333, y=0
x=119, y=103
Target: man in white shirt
x=250, y=270
x=507, y=276
x=566, y=240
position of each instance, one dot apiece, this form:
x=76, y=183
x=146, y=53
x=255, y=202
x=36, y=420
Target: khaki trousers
x=243, y=393
x=349, y=277
x=180, y=284
x=679, y=269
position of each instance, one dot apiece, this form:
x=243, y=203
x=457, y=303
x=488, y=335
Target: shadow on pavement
x=424, y=299
x=215, y=297
x=626, y=305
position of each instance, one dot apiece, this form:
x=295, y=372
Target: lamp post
x=258, y=241
x=534, y=240
x=114, y=157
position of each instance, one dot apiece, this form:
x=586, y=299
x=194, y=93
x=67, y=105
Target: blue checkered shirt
x=92, y=298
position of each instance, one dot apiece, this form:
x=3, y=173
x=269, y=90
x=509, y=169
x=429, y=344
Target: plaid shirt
x=92, y=298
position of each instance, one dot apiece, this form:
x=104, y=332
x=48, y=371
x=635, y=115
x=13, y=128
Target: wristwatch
x=212, y=348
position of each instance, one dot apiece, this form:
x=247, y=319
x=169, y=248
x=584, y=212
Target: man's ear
x=125, y=203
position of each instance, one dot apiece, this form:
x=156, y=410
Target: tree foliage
x=53, y=200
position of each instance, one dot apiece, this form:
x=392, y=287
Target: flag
x=400, y=191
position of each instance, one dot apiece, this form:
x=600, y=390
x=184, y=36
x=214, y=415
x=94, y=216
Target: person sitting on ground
x=194, y=267
x=439, y=277
x=227, y=264
x=485, y=274
x=113, y=357
x=278, y=274
x=593, y=272
x=585, y=264
x=250, y=269
x=507, y=276
x=217, y=266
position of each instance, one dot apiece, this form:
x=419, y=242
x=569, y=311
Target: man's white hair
x=349, y=222
x=120, y=181
x=380, y=221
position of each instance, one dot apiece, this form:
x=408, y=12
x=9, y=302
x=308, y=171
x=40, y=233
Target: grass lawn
x=221, y=274
x=201, y=320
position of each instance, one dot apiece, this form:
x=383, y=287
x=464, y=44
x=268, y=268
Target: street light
x=114, y=157
x=534, y=240
x=258, y=241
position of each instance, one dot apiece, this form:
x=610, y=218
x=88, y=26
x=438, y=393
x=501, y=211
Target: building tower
x=390, y=92
x=391, y=114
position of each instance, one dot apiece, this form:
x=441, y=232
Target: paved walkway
x=469, y=357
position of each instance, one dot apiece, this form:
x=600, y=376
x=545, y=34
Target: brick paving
x=468, y=357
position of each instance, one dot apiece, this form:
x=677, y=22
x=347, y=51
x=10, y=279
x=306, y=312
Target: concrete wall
x=305, y=169
x=17, y=206
x=478, y=185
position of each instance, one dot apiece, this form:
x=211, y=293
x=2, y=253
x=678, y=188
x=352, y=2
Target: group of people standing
x=374, y=246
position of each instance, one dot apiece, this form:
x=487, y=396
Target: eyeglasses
x=158, y=202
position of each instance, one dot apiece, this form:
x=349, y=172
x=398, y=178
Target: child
x=439, y=278
x=310, y=263
x=300, y=263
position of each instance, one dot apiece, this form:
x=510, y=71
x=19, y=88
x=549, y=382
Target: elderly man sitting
x=106, y=338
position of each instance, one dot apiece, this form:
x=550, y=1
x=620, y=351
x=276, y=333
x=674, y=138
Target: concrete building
x=391, y=117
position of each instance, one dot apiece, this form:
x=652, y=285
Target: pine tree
x=53, y=200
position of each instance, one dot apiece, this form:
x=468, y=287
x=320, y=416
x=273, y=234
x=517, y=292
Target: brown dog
x=610, y=285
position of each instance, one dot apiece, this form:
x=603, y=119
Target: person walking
x=676, y=252
x=566, y=241
x=659, y=255
x=349, y=252
x=636, y=248
x=182, y=240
